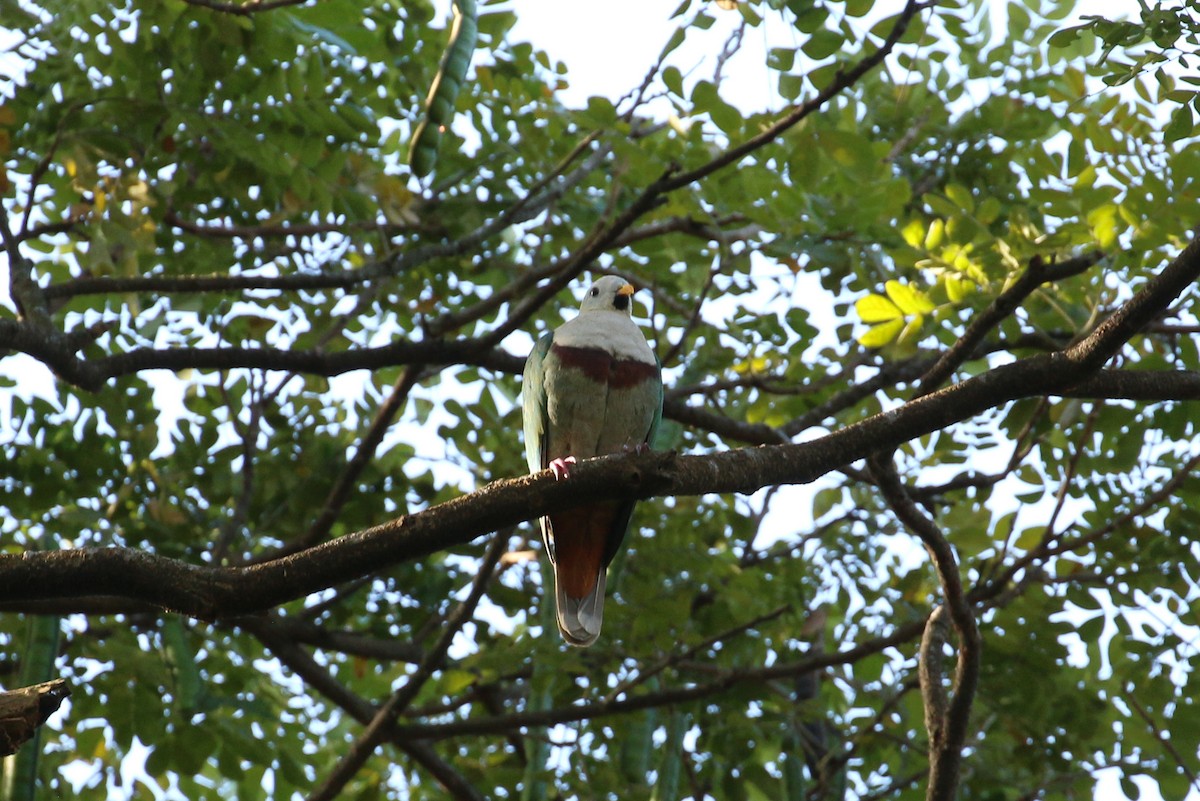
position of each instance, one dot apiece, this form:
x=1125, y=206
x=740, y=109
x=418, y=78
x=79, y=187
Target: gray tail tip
x=578, y=639
x=580, y=619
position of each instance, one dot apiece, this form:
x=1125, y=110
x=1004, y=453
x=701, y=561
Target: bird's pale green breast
x=597, y=404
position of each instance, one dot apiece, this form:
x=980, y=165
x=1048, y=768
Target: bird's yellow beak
x=626, y=290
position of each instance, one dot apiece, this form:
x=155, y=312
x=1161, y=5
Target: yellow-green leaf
x=1104, y=225
x=877, y=309
x=879, y=335
x=913, y=233
x=912, y=331
x=455, y=681
x=937, y=233
x=1030, y=537
x=957, y=288
x=908, y=298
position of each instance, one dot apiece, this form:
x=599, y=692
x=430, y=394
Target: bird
x=591, y=387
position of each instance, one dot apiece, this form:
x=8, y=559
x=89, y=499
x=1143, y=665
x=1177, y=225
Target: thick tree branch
x=218, y=592
x=932, y=672
x=946, y=722
x=59, y=354
x=248, y=7
x=199, y=284
x=26, y=294
x=212, y=592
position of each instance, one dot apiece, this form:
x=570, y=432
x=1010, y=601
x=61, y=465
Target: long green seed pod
x=439, y=104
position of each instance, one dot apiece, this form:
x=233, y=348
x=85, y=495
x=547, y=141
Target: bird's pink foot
x=640, y=448
x=561, y=467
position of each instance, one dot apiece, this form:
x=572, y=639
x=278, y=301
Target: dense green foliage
x=197, y=192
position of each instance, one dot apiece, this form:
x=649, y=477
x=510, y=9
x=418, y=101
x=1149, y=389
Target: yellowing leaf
x=1103, y=221
x=757, y=364
x=876, y=309
x=937, y=233
x=679, y=126
x=913, y=233
x=912, y=331
x=908, y=298
x=879, y=335
x=957, y=288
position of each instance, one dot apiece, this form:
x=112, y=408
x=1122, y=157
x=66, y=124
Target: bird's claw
x=561, y=467
x=640, y=448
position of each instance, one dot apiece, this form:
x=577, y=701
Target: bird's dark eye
x=595, y=291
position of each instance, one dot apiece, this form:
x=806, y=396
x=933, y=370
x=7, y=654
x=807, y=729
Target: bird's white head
x=609, y=293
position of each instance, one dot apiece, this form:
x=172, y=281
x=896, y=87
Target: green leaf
x=1181, y=125
x=822, y=44
x=781, y=58
x=673, y=80
x=1030, y=537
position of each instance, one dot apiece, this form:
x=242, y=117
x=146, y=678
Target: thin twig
x=318, y=677
x=649, y=700
x=1165, y=742
x=718, y=266
x=379, y=728
x=1035, y=275
x=344, y=486
x=248, y=7
x=646, y=674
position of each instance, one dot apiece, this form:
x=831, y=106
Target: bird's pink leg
x=561, y=467
x=640, y=448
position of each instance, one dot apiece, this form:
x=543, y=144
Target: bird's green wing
x=535, y=413
x=658, y=406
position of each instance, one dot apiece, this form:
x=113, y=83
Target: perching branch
x=215, y=592
x=210, y=592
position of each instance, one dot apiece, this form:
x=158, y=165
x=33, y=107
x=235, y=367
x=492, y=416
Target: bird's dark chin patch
x=621, y=302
